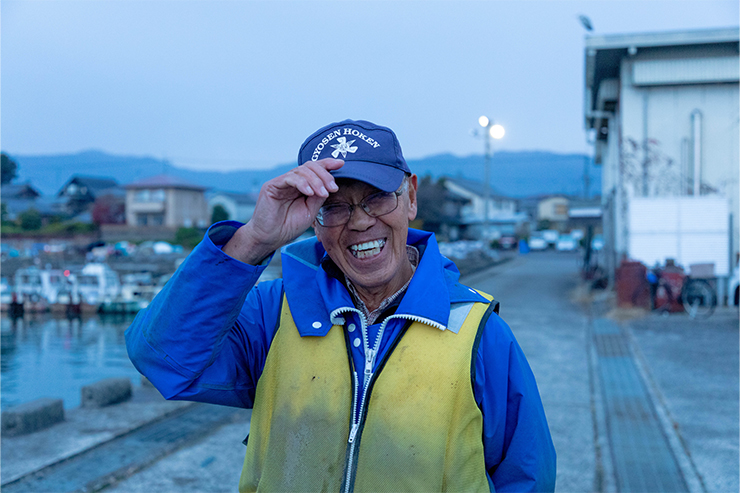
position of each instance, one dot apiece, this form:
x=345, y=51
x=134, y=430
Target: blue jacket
x=205, y=338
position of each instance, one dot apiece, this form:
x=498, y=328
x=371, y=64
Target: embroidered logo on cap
x=343, y=147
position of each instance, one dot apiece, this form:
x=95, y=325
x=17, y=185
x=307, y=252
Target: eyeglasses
x=375, y=205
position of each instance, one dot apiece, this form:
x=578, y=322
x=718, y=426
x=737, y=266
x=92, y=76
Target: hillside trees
x=9, y=169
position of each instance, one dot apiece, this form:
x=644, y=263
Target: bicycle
x=695, y=296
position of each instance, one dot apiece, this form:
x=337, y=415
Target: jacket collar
x=313, y=294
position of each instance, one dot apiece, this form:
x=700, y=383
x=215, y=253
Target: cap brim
x=381, y=176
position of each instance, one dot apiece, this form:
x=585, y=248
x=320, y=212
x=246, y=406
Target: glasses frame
x=361, y=204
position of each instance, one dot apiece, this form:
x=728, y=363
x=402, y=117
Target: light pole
x=495, y=131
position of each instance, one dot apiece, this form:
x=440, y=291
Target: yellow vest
x=423, y=429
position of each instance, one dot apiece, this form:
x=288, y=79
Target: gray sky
x=240, y=84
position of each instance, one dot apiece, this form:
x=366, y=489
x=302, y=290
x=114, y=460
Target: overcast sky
x=240, y=84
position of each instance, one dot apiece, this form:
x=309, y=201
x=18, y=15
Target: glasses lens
x=333, y=215
x=380, y=203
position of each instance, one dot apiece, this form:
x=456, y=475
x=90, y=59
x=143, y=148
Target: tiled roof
x=164, y=181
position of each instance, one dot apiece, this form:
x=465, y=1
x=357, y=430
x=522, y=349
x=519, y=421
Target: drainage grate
x=643, y=460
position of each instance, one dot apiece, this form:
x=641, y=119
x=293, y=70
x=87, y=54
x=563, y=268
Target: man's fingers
x=299, y=182
x=310, y=179
x=321, y=169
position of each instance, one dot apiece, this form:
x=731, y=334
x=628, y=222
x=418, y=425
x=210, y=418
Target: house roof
x=476, y=187
x=18, y=191
x=164, y=181
x=94, y=184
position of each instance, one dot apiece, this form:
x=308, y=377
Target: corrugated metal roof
x=668, y=38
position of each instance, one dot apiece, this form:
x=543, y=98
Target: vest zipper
x=370, y=355
x=367, y=376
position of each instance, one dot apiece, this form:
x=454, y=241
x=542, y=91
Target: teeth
x=367, y=249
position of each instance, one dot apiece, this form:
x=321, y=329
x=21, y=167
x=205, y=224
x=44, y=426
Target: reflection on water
x=44, y=356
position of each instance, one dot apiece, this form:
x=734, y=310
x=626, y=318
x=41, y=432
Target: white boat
x=39, y=285
x=97, y=283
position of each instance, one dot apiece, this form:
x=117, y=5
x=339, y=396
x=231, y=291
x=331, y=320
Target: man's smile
x=367, y=249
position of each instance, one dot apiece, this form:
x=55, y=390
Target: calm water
x=44, y=356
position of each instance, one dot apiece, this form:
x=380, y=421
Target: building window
x=561, y=209
x=156, y=219
x=157, y=195
x=141, y=219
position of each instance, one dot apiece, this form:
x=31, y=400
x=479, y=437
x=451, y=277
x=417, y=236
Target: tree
x=30, y=219
x=219, y=214
x=9, y=169
x=430, y=197
x=109, y=209
x=188, y=237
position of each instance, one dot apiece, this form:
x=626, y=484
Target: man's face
x=370, y=251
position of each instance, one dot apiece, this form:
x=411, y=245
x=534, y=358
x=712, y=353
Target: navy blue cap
x=371, y=153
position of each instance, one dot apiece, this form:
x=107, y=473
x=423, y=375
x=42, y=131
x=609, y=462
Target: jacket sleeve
x=205, y=336
x=519, y=452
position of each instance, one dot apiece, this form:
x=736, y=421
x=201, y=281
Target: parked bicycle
x=671, y=290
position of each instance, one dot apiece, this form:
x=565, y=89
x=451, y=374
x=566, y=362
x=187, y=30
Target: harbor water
x=51, y=356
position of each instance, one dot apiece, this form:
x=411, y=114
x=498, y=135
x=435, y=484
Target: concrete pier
x=635, y=402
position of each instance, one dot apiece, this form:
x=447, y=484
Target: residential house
x=439, y=209
x=503, y=216
x=239, y=206
x=18, y=198
x=80, y=192
x=553, y=210
x=165, y=201
x=663, y=112
x=585, y=214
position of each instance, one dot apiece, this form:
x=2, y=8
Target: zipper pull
x=369, y=358
x=353, y=432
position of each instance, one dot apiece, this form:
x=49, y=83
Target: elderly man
x=369, y=366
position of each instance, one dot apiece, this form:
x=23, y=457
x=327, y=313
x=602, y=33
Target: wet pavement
x=635, y=401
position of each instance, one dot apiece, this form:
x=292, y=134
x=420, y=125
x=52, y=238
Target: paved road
x=688, y=371
x=534, y=291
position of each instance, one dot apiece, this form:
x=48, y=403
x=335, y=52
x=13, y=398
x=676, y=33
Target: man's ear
x=413, y=205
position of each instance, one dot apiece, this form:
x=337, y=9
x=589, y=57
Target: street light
x=494, y=131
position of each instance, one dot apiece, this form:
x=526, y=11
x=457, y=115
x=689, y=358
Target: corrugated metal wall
x=686, y=71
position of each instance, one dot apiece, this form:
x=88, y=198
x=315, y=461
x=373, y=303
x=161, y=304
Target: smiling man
x=368, y=365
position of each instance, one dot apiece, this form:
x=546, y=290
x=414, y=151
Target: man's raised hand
x=286, y=207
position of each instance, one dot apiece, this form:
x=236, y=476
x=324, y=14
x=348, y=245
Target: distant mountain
x=516, y=174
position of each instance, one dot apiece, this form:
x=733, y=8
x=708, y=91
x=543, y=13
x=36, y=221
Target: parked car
x=597, y=243
x=537, y=242
x=566, y=243
x=550, y=236
x=507, y=242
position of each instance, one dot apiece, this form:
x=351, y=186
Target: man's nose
x=360, y=220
